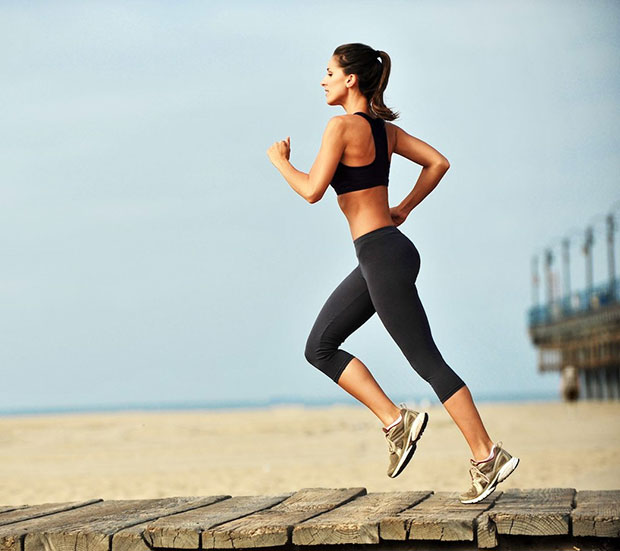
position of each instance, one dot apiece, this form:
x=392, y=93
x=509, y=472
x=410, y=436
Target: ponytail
x=376, y=102
x=372, y=74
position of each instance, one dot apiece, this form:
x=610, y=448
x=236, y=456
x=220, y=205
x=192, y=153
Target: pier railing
x=575, y=304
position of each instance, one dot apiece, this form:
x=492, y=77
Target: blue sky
x=152, y=254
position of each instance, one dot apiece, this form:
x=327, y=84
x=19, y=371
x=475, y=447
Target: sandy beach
x=138, y=455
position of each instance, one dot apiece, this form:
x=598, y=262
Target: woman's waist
x=366, y=218
x=376, y=232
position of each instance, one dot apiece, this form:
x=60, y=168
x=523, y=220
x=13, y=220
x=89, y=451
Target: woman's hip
x=384, y=246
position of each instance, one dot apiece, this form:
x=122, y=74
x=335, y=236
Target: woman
x=354, y=158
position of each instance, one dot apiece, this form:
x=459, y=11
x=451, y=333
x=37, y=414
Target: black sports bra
x=351, y=178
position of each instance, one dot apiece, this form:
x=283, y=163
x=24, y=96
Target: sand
x=140, y=455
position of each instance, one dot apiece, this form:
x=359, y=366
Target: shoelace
x=391, y=444
x=478, y=476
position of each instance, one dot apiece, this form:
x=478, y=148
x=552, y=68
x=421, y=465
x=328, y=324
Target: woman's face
x=334, y=82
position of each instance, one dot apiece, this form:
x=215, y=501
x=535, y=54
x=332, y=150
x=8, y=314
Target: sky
x=153, y=255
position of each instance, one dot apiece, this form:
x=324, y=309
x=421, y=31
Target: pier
x=320, y=518
x=577, y=332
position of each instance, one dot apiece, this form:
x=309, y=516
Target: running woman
x=354, y=158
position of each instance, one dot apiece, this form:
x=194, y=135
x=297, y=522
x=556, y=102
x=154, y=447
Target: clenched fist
x=280, y=151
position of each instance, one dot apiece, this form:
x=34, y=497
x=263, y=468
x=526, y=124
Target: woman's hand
x=398, y=215
x=280, y=151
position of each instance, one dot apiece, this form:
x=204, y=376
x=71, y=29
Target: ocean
x=421, y=400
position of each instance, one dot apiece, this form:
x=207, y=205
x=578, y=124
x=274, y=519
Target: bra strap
x=368, y=118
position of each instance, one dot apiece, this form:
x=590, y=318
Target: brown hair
x=372, y=74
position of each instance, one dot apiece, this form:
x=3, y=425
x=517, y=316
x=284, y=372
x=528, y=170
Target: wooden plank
x=183, y=530
x=356, y=521
x=597, y=513
x=274, y=526
x=35, y=511
x=7, y=508
x=131, y=538
x=91, y=528
x=440, y=517
x=12, y=535
x=486, y=533
x=392, y=526
x=533, y=512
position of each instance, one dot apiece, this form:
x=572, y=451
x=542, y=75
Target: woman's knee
x=318, y=351
x=328, y=359
x=311, y=351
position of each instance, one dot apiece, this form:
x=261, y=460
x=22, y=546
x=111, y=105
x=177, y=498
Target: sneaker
x=485, y=475
x=402, y=439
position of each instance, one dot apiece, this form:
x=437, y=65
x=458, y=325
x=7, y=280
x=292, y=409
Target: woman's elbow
x=316, y=195
x=314, y=198
x=439, y=164
x=444, y=164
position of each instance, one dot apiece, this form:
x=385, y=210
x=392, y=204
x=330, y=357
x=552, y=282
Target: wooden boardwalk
x=313, y=518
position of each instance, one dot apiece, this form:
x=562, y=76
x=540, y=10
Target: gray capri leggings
x=382, y=282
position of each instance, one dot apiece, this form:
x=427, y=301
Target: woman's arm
x=312, y=186
x=434, y=166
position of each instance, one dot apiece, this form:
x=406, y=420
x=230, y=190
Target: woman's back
x=361, y=179
x=353, y=177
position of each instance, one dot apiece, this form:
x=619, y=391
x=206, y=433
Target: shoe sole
x=501, y=475
x=416, y=429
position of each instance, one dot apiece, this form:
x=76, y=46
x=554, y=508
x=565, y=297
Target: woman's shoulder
x=392, y=130
x=393, y=127
x=343, y=125
x=337, y=122
x=348, y=121
x=342, y=120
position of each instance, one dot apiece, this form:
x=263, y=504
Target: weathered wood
x=486, y=534
x=356, y=521
x=91, y=528
x=35, y=511
x=7, y=508
x=533, y=512
x=274, y=526
x=131, y=538
x=12, y=535
x=394, y=527
x=440, y=517
x=597, y=513
x=312, y=517
x=183, y=530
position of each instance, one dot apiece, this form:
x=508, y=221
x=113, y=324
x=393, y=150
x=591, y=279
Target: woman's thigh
x=346, y=309
x=390, y=268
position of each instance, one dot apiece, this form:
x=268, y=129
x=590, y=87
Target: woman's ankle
x=388, y=418
x=484, y=452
